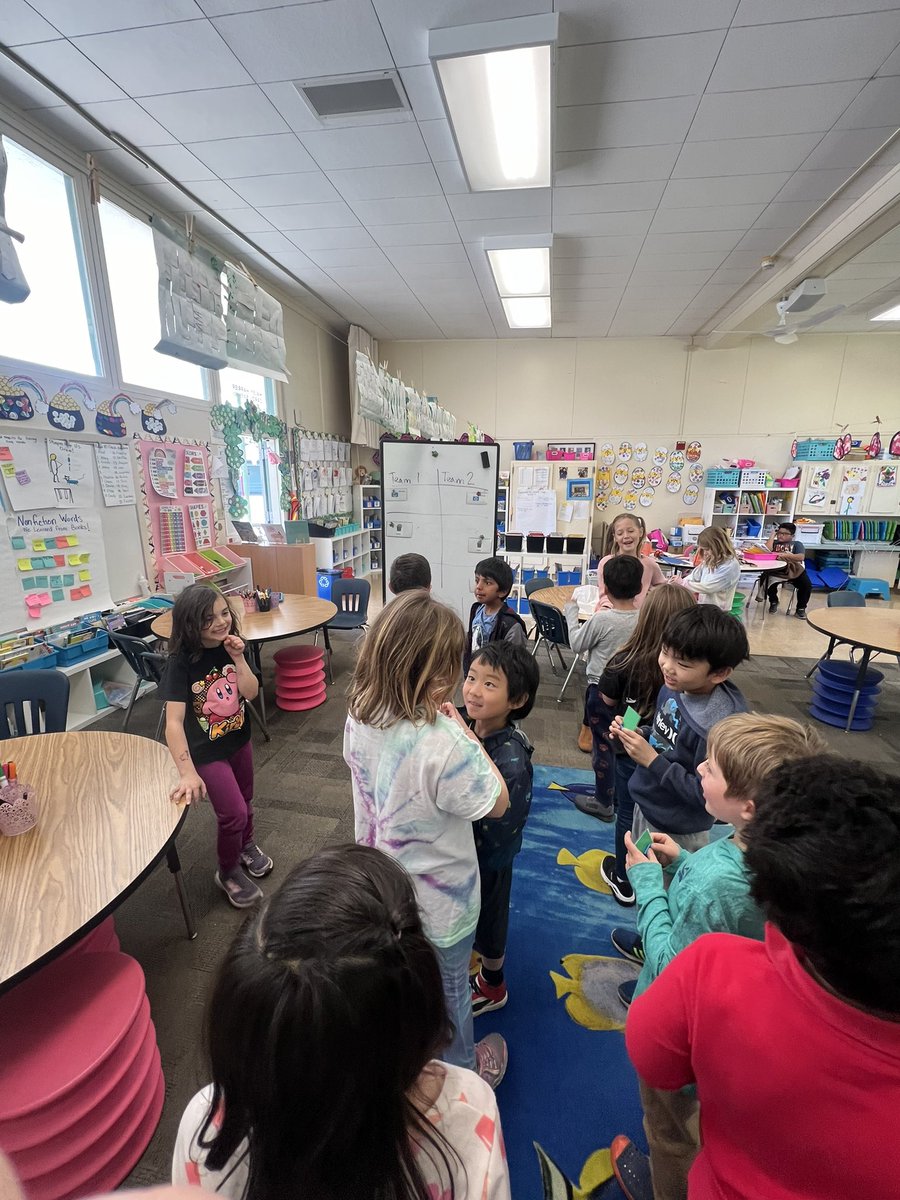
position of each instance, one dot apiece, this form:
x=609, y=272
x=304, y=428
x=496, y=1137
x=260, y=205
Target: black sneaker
x=773, y=606
x=591, y=808
x=240, y=892
x=622, y=892
x=629, y=945
x=625, y=991
x=255, y=862
x=800, y=614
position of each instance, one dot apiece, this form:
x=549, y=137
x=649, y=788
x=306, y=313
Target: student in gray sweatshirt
x=600, y=637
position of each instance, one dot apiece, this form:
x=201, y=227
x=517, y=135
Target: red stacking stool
x=102, y=937
x=299, y=678
x=81, y=1084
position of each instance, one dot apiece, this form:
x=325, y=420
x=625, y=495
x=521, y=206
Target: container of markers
x=17, y=809
x=275, y=598
x=250, y=604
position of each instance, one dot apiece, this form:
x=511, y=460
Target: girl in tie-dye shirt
x=420, y=778
x=322, y=1033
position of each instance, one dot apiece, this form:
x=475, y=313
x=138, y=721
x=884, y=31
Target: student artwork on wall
x=57, y=566
x=151, y=417
x=18, y=395
x=72, y=472
x=109, y=418
x=26, y=472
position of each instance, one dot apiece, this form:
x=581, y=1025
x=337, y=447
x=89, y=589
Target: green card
x=68, y=580
x=40, y=581
x=28, y=584
x=632, y=718
x=58, y=594
x=18, y=543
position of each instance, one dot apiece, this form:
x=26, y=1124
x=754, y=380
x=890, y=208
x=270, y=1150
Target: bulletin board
x=176, y=495
x=552, y=497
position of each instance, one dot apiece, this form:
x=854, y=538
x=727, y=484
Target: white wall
x=746, y=402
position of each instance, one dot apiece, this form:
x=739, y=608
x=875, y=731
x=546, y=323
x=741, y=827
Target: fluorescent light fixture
x=889, y=314
x=527, y=312
x=496, y=83
x=521, y=272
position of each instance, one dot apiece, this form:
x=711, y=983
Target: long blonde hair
x=748, y=746
x=637, y=521
x=638, y=659
x=409, y=662
x=717, y=546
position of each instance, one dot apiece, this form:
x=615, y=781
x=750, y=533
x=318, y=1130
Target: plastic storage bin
x=65, y=655
x=723, y=477
x=753, y=478
x=815, y=450
x=555, y=543
x=522, y=450
x=567, y=578
x=534, y=543
x=574, y=544
x=514, y=541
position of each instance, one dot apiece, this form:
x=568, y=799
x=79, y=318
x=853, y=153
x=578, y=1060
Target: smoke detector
x=803, y=297
x=768, y=263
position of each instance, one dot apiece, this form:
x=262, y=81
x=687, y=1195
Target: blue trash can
x=522, y=450
x=324, y=580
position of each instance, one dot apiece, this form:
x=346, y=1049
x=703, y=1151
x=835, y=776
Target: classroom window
x=54, y=325
x=260, y=482
x=133, y=284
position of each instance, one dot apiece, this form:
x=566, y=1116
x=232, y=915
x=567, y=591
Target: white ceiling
x=691, y=136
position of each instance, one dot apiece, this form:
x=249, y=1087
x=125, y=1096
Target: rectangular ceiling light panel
x=496, y=83
x=889, y=314
x=527, y=312
x=521, y=272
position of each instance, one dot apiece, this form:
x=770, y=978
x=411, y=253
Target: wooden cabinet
x=288, y=569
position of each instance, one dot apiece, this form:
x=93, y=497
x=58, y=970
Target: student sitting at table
x=793, y=554
x=714, y=580
x=208, y=731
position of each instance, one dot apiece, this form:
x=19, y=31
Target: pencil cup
x=276, y=598
x=265, y=603
x=250, y=605
x=17, y=810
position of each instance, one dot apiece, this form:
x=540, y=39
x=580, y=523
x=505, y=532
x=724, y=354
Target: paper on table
x=564, y=513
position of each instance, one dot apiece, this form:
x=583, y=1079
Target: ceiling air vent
x=355, y=98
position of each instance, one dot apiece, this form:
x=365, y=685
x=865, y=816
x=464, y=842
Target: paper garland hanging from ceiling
x=255, y=327
x=190, y=301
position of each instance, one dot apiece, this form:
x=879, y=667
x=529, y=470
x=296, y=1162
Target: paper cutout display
x=255, y=327
x=190, y=302
x=151, y=421
x=109, y=420
x=19, y=395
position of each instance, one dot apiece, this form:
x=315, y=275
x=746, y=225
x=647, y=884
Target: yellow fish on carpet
x=595, y=1173
x=590, y=990
x=587, y=868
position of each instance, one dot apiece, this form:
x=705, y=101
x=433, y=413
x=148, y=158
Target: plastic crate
x=815, y=450
x=66, y=655
x=753, y=478
x=44, y=663
x=567, y=578
x=723, y=477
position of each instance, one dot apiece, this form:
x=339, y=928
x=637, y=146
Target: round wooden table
x=871, y=629
x=556, y=597
x=293, y=616
x=104, y=822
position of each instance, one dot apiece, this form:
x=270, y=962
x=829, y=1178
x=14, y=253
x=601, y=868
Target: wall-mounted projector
x=803, y=297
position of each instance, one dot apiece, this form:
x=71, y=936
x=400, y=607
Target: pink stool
x=299, y=678
x=102, y=937
x=81, y=1085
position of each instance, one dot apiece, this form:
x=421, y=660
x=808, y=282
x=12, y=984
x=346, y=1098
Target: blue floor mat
x=568, y=1087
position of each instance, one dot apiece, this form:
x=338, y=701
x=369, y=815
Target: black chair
x=552, y=631
x=352, y=599
x=46, y=694
x=845, y=600
x=148, y=666
x=537, y=584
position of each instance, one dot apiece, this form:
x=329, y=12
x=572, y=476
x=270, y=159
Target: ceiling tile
x=742, y=156
x=647, y=274
x=611, y=197
x=631, y=164
x=304, y=187
x=812, y=185
x=810, y=109
x=847, y=148
x=371, y=146
x=683, y=243
x=331, y=215
x=307, y=41
x=406, y=22
x=602, y=224
x=699, y=260
x=631, y=123
x=518, y=202
x=441, y=276
x=220, y=8
x=439, y=140
x=798, y=52
x=20, y=24
x=226, y=113
x=130, y=119
x=237, y=157
x=362, y=256
x=473, y=231
x=787, y=215
x=180, y=162
x=384, y=183
x=877, y=104
x=287, y=101
x=65, y=124
x=637, y=70
x=617, y=20
x=99, y=16
x=166, y=198
x=432, y=233
x=248, y=220
x=275, y=243
x=761, y=12
x=216, y=194
x=697, y=220
x=402, y=210
x=403, y=256
x=763, y=241
x=595, y=247
x=331, y=239
x=423, y=92
x=607, y=279
x=185, y=56
x=69, y=69
x=18, y=88
x=734, y=189
x=452, y=180
x=124, y=166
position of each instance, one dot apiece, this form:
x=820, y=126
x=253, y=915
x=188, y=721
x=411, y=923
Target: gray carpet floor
x=303, y=802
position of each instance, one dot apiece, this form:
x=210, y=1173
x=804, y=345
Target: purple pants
x=229, y=783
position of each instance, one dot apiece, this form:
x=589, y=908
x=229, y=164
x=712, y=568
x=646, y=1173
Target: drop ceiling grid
x=667, y=190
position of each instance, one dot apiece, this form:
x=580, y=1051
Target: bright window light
x=527, y=312
x=524, y=272
x=499, y=106
x=889, y=314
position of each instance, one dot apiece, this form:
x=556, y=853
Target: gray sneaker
x=255, y=862
x=240, y=892
x=491, y=1059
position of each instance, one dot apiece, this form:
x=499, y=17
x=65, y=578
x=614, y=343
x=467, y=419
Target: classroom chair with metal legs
x=148, y=667
x=553, y=632
x=39, y=701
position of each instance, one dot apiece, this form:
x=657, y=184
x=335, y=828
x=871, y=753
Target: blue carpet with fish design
x=569, y=1087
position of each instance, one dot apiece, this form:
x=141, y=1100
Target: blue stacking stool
x=833, y=689
x=869, y=587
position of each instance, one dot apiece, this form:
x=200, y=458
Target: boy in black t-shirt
x=793, y=554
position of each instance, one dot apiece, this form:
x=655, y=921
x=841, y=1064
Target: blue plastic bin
x=522, y=450
x=324, y=580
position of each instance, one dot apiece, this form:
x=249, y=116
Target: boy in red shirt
x=794, y=1043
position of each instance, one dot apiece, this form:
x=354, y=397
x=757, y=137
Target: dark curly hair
x=823, y=851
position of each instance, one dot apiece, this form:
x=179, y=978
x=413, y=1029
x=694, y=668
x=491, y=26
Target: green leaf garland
x=261, y=426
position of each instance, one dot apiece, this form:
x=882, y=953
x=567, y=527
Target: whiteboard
x=439, y=499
